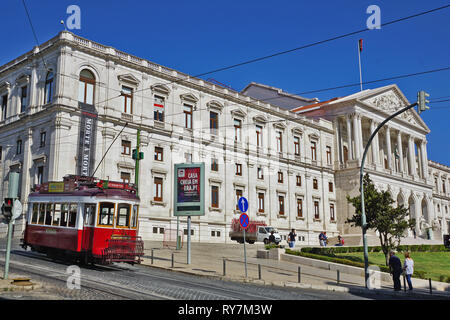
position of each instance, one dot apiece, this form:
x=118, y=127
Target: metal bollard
x=152, y=256
x=338, y=276
x=259, y=271
x=431, y=288
x=299, y=274
x=172, y=259
x=224, y=267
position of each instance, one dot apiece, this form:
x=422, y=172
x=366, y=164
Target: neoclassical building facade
x=294, y=158
x=70, y=86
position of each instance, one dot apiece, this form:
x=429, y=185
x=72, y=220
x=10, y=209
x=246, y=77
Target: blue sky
x=198, y=36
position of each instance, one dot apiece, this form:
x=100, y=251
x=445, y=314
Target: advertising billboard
x=189, y=189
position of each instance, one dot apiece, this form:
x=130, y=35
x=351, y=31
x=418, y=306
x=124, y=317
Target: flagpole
x=359, y=58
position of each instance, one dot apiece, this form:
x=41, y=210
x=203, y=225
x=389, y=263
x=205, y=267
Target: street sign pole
x=245, y=256
x=189, y=240
x=8, y=248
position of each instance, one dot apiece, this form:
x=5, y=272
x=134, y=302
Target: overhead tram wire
x=295, y=49
x=300, y=93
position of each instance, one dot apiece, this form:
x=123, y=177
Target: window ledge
x=158, y=203
x=281, y=216
x=317, y=220
x=299, y=218
x=261, y=214
x=333, y=221
x=215, y=209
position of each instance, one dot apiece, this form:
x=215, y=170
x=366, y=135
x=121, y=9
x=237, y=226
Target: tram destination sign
x=189, y=193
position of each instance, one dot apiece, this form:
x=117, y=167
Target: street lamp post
x=361, y=178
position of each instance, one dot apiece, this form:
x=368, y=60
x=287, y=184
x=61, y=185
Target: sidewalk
x=212, y=260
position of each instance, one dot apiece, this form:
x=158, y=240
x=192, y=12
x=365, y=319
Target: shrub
x=443, y=278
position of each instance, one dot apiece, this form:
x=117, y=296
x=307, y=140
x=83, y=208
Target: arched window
x=86, y=87
x=48, y=87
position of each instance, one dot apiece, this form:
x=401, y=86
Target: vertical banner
x=87, y=139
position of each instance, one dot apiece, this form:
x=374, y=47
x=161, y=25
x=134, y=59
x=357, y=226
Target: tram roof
x=113, y=194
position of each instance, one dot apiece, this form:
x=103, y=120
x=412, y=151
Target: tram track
x=87, y=282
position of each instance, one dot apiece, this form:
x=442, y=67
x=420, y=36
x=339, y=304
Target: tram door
x=88, y=225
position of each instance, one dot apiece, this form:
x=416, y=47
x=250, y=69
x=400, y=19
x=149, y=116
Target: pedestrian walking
x=321, y=239
x=408, y=267
x=325, y=239
x=395, y=265
x=272, y=237
x=291, y=238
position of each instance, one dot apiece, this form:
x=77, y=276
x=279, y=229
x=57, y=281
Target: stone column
x=356, y=136
x=388, y=147
x=375, y=151
x=349, y=138
x=360, y=135
x=424, y=157
x=412, y=156
x=400, y=151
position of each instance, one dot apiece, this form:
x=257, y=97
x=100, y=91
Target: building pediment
x=392, y=100
x=129, y=79
x=189, y=97
x=238, y=113
x=214, y=104
x=161, y=89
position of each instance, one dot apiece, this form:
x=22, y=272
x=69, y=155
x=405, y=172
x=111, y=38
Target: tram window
x=64, y=214
x=56, y=214
x=106, y=217
x=72, y=215
x=41, y=213
x=35, y=213
x=123, y=215
x=89, y=214
x=48, y=214
x=134, y=216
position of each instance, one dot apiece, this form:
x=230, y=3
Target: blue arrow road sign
x=243, y=204
x=244, y=221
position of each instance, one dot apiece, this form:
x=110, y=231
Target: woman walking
x=408, y=266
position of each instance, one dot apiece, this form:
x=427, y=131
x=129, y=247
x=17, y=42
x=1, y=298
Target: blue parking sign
x=243, y=204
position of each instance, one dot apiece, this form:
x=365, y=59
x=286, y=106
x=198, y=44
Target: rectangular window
x=260, y=173
x=134, y=216
x=279, y=141
x=328, y=155
x=4, y=106
x=330, y=186
x=64, y=214
x=158, y=189
x=316, y=210
x=188, y=157
x=332, y=217
x=40, y=175
x=259, y=136
x=296, y=146
x=280, y=177
x=123, y=215
x=281, y=205
x=238, y=169
x=126, y=147
x=187, y=110
x=19, y=147
x=315, y=184
x=35, y=213
x=213, y=122
x=158, y=108
x=214, y=196
x=42, y=139
x=313, y=151
x=237, y=129
x=185, y=231
x=48, y=214
x=214, y=165
x=89, y=214
x=261, y=202
x=125, y=177
x=107, y=212
x=299, y=207
x=298, y=180
x=238, y=196
x=127, y=100
x=23, y=98
x=72, y=215
x=159, y=153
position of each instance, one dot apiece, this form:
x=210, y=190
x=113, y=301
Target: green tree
x=390, y=223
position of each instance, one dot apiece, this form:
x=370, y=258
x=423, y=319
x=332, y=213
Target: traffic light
x=135, y=155
x=7, y=207
x=422, y=101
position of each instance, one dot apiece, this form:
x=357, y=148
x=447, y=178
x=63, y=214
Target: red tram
x=86, y=219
